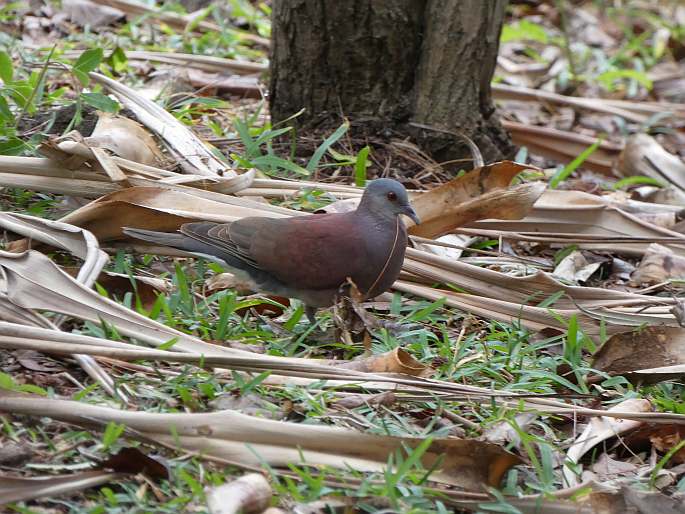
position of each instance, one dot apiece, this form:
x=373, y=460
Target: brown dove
x=307, y=257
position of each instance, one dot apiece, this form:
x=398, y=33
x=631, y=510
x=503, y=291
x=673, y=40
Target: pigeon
x=307, y=257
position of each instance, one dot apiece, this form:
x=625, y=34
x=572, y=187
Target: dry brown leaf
x=504, y=431
x=86, y=13
x=248, y=440
x=663, y=437
x=601, y=429
x=575, y=268
x=564, y=146
x=394, y=361
x=125, y=138
x=568, y=217
x=658, y=265
x=126, y=461
x=33, y=281
x=13, y=489
x=228, y=281
x=147, y=288
x=179, y=21
x=192, y=154
x=213, y=84
x=249, y=494
x=638, y=112
x=156, y=208
x=208, y=63
x=57, y=174
x=644, y=156
x=507, y=298
x=479, y=194
x=353, y=401
x=80, y=243
x=641, y=351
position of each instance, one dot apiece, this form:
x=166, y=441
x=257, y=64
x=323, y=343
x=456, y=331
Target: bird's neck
x=379, y=217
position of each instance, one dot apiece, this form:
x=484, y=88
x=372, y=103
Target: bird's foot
x=311, y=314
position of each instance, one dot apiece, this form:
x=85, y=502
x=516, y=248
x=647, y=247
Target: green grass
x=460, y=348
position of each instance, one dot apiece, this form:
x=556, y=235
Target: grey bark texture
x=384, y=64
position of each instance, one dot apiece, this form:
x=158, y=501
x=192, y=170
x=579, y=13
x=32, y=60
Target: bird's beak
x=409, y=211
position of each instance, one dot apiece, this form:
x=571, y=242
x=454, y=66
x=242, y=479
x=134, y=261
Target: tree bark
x=385, y=64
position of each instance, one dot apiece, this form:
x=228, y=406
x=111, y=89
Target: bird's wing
x=304, y=252
x=218, y=236
x=307, y=252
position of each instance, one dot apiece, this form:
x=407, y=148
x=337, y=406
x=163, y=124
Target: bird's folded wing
x=311, y=252
x=218, y=236
x=308, y=252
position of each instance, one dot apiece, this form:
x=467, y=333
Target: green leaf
x=360, y=166
x=118, y=60
x=565, y=171
x=32, y=389
x=21, y=93
x=251, y=148
x=101, y=102
x=273, y=162
x=88, y=61
x=427, y=311
x=12, y=146
x=5, y=111
x=168, y=344
x=7, y=382
x=524, y=31
x=562, y=254
x=113, y=431
x=330, y=140
x=343, y=159
x=637, y=179
x=608, y=78
x=6, y=68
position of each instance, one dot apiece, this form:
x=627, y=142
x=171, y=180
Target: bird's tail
x=173, y=239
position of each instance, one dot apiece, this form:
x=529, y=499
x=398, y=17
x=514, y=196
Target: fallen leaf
x=156, y=208
x=13, y=489
x=659, y=264
x=245, y=439
x=353, y=401
x=575, y=268
x=249, y=494
x=222, y=281
x=133, y=461
x=34, y=361
x=644, y=156
x=564, y=146
x=600, y=429
x=662, y=436
x=607, y=468
x=479, y=194
x=86, y=13
x=394, y=361
x=640, y=350
x=591, y=222
x=125, y=138
x=192, y=154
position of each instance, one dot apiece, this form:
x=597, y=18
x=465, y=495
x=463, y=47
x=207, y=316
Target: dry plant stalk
x=470, y=464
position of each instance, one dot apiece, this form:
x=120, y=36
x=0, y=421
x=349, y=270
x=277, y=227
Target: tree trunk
x=385, y=64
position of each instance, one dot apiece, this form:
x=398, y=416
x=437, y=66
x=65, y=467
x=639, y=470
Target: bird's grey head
x=387, y=198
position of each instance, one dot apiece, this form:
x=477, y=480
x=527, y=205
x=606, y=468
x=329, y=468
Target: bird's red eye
x=392, y=196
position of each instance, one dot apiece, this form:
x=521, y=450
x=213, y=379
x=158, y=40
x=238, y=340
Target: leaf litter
x=528, y=326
